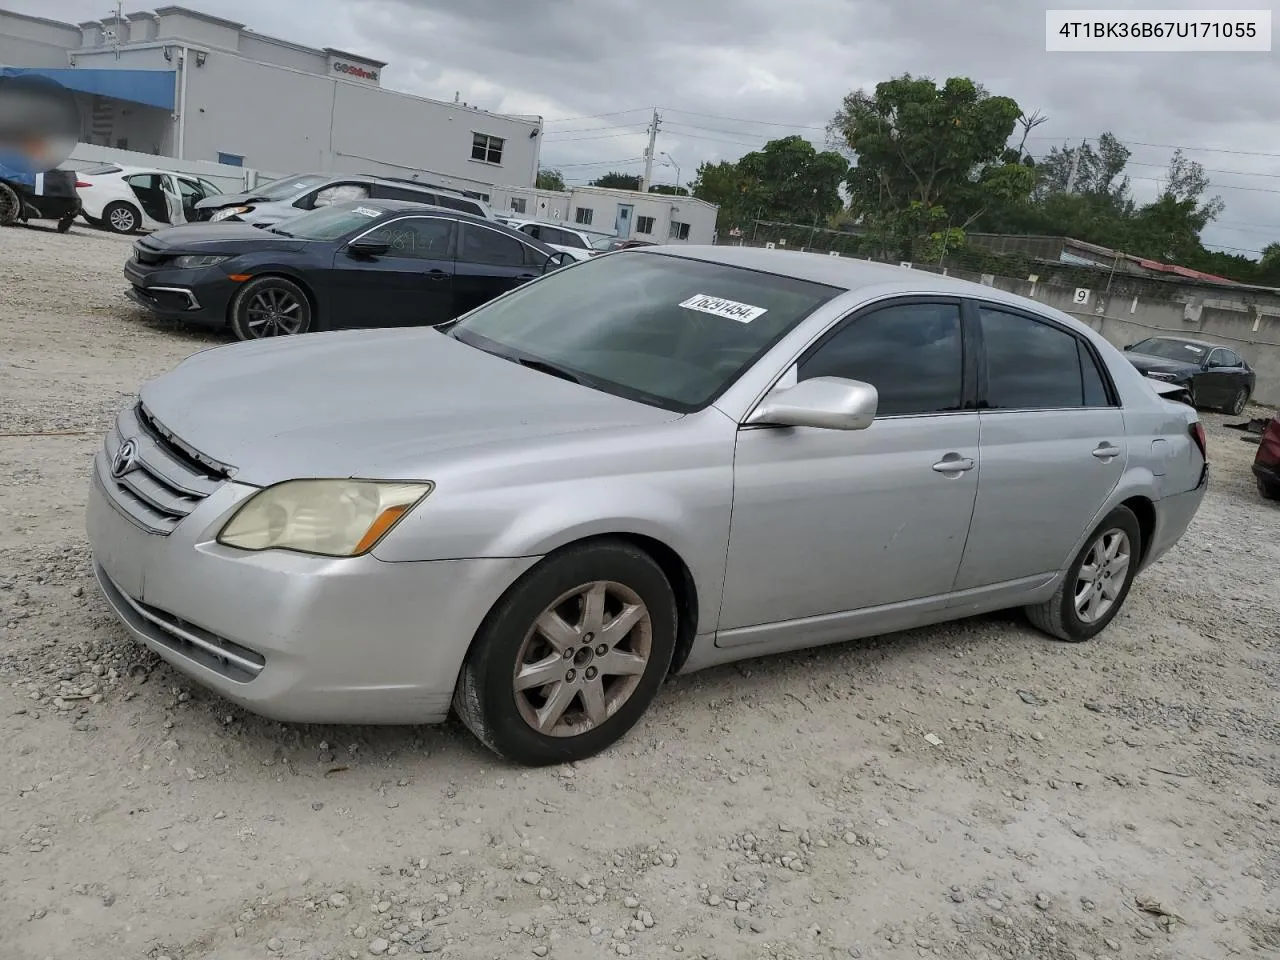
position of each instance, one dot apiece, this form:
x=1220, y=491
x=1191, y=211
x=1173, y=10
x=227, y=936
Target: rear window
x=99, y=170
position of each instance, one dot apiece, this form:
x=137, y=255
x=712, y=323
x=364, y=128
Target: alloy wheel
x=273, y=312
x=1237, y=405
x=583, y=658
x=1102, y=576
x=123, y=220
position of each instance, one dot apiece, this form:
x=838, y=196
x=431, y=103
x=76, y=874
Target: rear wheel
x=571, y=657
x=1268, y=491
x=121, y=217
x=1238, y=402
x=270, y=307
x=10, y=206
x=1097, y=582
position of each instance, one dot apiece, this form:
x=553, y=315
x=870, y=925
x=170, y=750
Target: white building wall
x=603, y=204
x=35, y=42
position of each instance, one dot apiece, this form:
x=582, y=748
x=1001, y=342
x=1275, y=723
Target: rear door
x=1053, y=446
x=411, y=284
x=491, y=262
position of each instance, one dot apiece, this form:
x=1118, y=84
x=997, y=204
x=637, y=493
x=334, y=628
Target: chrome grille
x=166, y=479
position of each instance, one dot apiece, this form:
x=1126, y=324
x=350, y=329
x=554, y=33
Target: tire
x=1238, y=402
x=121, y=217
x=270, y=307
x=1267, y=491
x=10, y=206
x=1059, y=616
x=506, y=719
x=65, y=224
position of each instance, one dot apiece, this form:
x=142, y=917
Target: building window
x=231, y=159
x=678, y=231
x=517, y=205
x=486, y=149
x=644, y=225
x=583, y=216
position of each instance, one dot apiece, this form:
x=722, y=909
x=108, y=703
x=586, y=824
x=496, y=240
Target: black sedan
x=376, y=263
x=1215, y=376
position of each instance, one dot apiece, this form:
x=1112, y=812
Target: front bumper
x=289, y=636
x=201, y=295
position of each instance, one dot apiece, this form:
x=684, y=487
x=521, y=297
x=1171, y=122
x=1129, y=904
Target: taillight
x=81, y=184
x=1197, y=434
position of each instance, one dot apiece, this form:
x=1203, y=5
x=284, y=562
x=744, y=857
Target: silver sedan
x=652, y=462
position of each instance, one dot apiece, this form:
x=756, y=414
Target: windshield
x=663, y=330
x=1170, y=349
x=329, y=223
x=288, y=187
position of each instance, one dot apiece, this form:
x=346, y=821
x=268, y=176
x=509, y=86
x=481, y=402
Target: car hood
x=216, y=238
x=1149, y=364
x=376, y=403
x=221, y=200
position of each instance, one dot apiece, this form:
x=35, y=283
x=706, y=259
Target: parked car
x=576, y=243
x=1215, y=376
x=284, y=199
x=609, y=244
x=41, y=196
x=1266, y=462
x=374, y=263
x=651, y=462
x=130, y=199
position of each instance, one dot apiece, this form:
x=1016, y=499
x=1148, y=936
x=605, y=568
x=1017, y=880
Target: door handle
x=1106, y=451
x=953, y=463
x=437, y=275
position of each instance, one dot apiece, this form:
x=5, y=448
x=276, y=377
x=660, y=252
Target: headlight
x=197, y=261
x=229, y=212
x=1167, y=377
x=335, y=518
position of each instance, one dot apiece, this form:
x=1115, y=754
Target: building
x=1067, y=250
x=659, y=217
x=179, y=83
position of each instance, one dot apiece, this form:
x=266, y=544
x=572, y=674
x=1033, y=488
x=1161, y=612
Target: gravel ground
x=967, y=791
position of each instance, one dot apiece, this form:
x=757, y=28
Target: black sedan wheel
x=10, y=206
x=270, y=307
x=571, y=657
x=1237, y=404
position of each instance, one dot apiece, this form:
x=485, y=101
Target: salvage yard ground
x=964, y=791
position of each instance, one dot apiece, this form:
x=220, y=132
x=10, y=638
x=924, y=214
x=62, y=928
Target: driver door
x=827, y=523
x=172, y=199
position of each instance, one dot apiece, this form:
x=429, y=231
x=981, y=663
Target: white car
x=131, y=199
x=577, y=243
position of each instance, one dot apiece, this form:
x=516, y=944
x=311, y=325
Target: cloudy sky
x=727, y=75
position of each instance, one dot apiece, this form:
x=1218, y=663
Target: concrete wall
x=227, y=179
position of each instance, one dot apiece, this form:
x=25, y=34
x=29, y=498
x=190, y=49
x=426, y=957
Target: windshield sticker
x=1192, y=347
x=720, y=307
x=366, y=212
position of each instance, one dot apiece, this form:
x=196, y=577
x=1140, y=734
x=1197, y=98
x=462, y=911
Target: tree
x=550, y=180
x=722, y=184
x=618, y=181
x=669, y=189
x=789, y=180
x=1169, y=228
x=926, y=148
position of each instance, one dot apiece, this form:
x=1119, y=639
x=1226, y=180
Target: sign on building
x=1081, y=296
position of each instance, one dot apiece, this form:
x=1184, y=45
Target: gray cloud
x=704, y=62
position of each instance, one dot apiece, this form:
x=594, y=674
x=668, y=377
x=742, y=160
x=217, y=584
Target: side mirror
x=829, y=403
x=1128, y=347
x=368, y=248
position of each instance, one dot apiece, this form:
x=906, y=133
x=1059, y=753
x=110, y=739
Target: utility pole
x=1075, y=166
x=648, y=152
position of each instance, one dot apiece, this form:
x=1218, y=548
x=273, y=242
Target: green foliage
x=789, y=180
x=550, y=180
x=669, y=189
x=618, y=181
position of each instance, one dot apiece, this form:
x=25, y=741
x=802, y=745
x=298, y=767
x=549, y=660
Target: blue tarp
x=152, y=88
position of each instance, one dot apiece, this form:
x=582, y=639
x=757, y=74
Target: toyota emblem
x=126, y=459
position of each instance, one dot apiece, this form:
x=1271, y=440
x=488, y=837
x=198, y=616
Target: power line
x=768, y=123
x=1172, y=146
x=593, y=163
x=597, y=116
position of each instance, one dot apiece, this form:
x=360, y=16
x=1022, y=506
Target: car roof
x=409, y=206
x=1199, y=343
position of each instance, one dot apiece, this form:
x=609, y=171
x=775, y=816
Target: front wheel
x=571, y=656
x=1097, y=582
x=270, y=307
x=10, y=206
x=1238, y=402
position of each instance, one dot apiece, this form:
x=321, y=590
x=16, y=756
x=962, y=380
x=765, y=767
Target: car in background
x=576, y=243
x=609, y=244
x=653, y=462
x=375, y=263
x=1215, y=377
x=52, y=195
x=130, y=199
x=293, y=196
x=1266, y=462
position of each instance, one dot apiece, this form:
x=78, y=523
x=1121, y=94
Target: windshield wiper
x=533, y=363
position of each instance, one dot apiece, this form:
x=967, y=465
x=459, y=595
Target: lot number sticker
x=366, y=212
x=720, y=307
x=1082, y=295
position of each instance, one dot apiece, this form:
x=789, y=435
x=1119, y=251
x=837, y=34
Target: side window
x=1030, y=365
x=572, y=240
x=334, y=193
x=554, y=235
x=533, y=230
x=190, y=191
x=911, y=353
x=481, y=245
x=144, y=181
x=1095, y=386
x=418, y=238
x=1233, y=359
x=210, y=189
